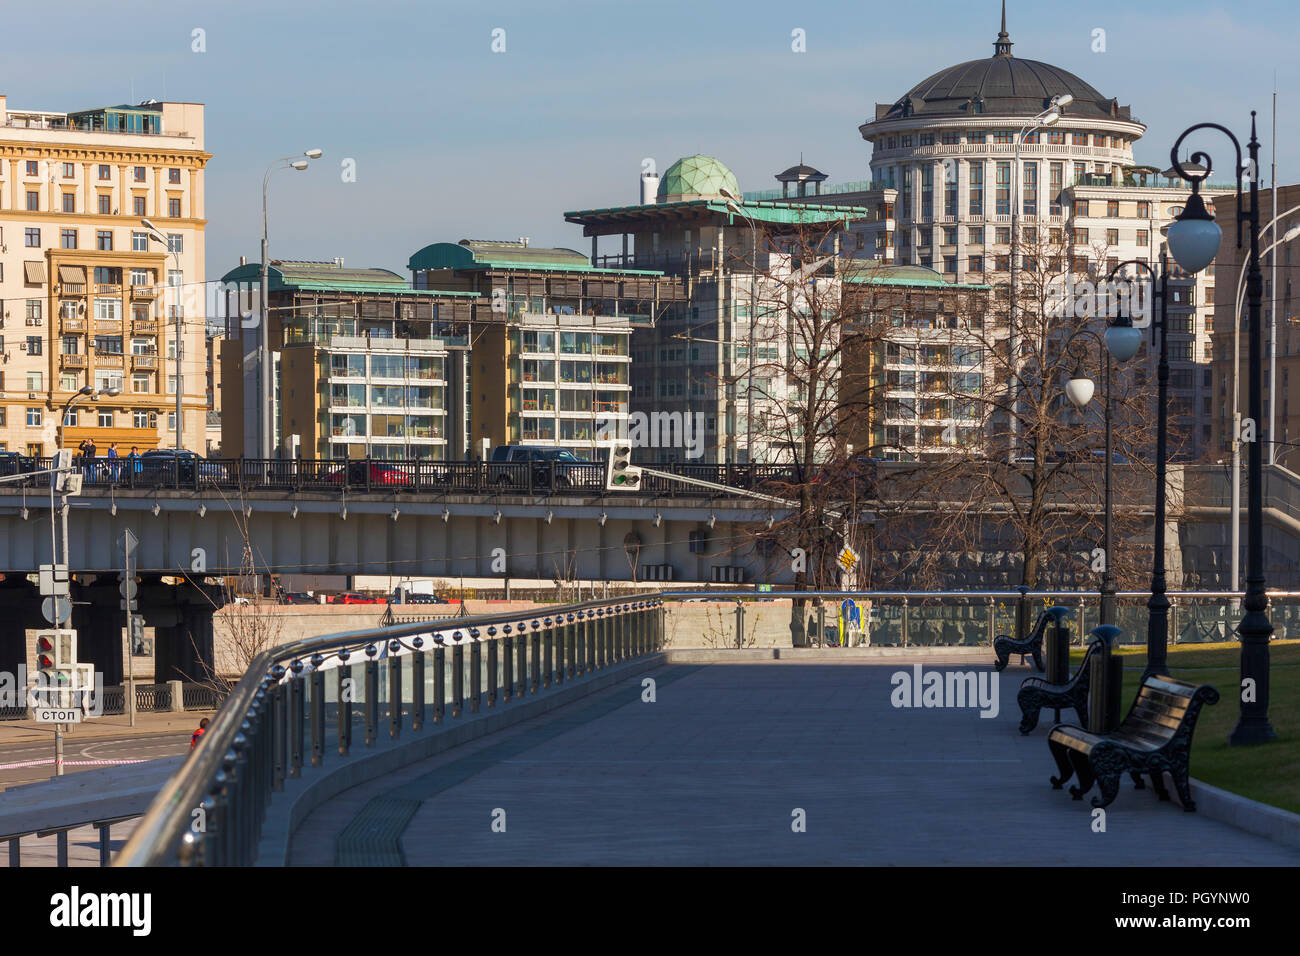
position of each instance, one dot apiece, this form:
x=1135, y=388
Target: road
x=32, y=760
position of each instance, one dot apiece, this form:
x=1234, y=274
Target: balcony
x=144, y=361
x=108, y=360
x=108, y=325
x=73, y=325
x=144, y=292
x=72, y=360
x=145, y=327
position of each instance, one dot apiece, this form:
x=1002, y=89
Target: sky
x=450, y=140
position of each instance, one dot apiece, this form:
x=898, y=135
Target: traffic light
x=620, y=475
x=56, y=659
x=62, y=468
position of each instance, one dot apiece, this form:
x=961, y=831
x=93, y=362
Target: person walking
x=194, y=737
x=91, y=452
x=112, y=461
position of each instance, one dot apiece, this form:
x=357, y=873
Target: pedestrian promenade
x=729, y=757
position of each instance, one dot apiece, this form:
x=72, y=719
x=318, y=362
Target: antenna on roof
x=1002, y=45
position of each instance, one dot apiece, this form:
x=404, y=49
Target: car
x=13, y=463
x=297, y=597
x=355, y=472
x=412, y=597
x=161, y=465
x=568, y=468
x=354, y=597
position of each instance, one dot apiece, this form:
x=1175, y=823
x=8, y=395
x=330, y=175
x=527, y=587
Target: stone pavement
x=716, y=769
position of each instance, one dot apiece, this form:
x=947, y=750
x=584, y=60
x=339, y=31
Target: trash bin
x=1105, y=682
x=1056, y=647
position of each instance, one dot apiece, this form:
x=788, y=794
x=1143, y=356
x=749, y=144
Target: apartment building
x=1231, y=355
x=728, y=258
x=87, y=295
x=550, y=355
x=364, y=365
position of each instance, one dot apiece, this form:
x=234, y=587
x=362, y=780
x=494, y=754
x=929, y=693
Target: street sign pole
x=129, y=541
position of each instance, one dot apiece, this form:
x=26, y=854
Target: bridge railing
x=949, y=618
x=288, y=709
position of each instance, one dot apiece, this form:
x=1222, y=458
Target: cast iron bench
x=1004, y=646
x=1036, y=693
x=1155, y=738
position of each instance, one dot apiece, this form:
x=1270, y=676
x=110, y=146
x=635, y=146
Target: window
x=1079, y=139
x=1055, y=184
x=105, y=171
x=105, y=204
x=35, y=381
x=104, y=240
x=34, y=312
x=175, y=242
x=68, y=382
x=69, y=202
x=907, y=141
x=949, y=263
x=32, y=238
x=977, y=136
x=1112, y=208
x=1004, y=189
x=380, y=394
x=68, y=238
x=1081, y=237
x=139, y=174
x=107, y=309
x=31, y=168
x=1100, y=140
x=1056, y=137
x=1003, y=235
x=175, y=278
x=34, y=344
x=34, y=418
x=174, y=208
x=1004, y=136
x=137, y=205
x=70, y=344
x=141, y=277
x=950, y=235
x=1112, y=237
x=108, y=344
x=977, y=189
x=33, y=202
x=140, y=418
x=975, y=264
x=173, y=175
x=950, y=139
x=699, y=542
x=105, y=418
x=108, y=275
x=1144, y=210
x=139, y=242
x=171, y=421
x=1029, y=189
x=975, y=235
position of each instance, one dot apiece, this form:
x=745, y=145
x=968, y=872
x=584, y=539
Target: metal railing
x=149, y=698
x=104, y=826
x=284, y=714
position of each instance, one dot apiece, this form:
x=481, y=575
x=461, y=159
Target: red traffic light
x=44, y=660
x=44, y=644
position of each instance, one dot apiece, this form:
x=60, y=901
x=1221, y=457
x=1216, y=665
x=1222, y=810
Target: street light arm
x=1203, y=159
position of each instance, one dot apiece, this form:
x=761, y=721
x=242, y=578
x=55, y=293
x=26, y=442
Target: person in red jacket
x=194, y=737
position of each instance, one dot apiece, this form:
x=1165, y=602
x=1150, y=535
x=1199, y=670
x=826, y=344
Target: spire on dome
x=1002, y=45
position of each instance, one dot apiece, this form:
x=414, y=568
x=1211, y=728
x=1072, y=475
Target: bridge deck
x=711, y=772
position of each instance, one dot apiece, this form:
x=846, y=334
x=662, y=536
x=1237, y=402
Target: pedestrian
x=112, y=460
x=90, y=459
x=194, y=737
x=134, y=459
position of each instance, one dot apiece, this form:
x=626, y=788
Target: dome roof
x=696, y=177
x=1001, y=85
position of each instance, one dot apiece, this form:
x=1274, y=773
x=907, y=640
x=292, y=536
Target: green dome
x=696, y=177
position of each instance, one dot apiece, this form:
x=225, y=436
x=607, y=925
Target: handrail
x=168, y=818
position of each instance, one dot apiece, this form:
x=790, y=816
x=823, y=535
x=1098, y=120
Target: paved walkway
x=714, y=771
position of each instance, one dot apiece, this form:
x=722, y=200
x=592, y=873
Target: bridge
x=587, y=737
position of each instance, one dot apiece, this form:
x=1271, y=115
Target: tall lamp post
x=1193, y=240
x=1287, y=236
x=266, y=416
x=1158, y=602
x=733, y=203
x=1048, y=117
x=1079, y=389
x=180, y=339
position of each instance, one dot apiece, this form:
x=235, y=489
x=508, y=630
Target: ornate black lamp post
x=1158, y=603
x=1193, y=240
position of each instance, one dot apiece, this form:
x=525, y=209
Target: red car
x=352, y=597
x=380, y=474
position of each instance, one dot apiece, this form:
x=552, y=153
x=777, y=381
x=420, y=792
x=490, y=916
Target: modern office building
x=365, y=366
x=1231, y=354
x=693, y=364
x=550, y=363
x=87, y=297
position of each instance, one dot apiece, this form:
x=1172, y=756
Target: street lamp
x=86, y=391
x=266, y=417
x=1048, y=117
x=1079, y=389
x=1193, y=240
x=733, y=203
x=179, y=320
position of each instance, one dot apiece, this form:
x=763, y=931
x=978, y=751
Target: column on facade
x=158, y=197
x=89, y=204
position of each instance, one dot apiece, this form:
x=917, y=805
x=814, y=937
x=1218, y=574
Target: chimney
x=338, y=262
x=243, y=260
x=523, y=241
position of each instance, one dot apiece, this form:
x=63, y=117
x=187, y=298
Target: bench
x=1004, y=646
x=1154, y=739
x=1036, y=693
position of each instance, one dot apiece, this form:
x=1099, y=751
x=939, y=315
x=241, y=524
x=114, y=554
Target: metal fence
x=149, y=698
x=287, y=711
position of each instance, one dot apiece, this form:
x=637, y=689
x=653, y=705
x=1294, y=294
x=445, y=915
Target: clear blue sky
x=453, y=141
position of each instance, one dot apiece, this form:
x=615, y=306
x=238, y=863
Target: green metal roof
x=478, y=254
x=328, y=277
x=801, y=213
x=907, y=275
x=697, y=176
